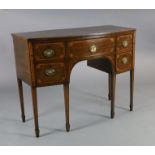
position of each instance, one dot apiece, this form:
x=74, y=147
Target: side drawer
x=124, y=43
x=50, y=73
x=48, y=51
x=124, y=62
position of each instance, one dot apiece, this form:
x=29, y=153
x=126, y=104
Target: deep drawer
x=50, y=73
x=124, y=62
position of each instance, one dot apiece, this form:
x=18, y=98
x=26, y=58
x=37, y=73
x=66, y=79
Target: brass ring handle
x=93, y=48
x=124, y=60
x=50, y=72
x=48, y=53
x=125, y=43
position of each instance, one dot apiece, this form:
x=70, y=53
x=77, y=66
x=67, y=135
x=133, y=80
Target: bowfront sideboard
x=46, y=58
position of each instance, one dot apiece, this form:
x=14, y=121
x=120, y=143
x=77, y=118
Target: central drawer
x=50, y=73
x=93, y=47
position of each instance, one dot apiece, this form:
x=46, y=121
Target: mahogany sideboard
x=46, y=58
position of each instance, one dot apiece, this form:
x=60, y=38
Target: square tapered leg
x=35, y=109
x=66, y=97
x=20, y=89
x=131, y=89
x=113, y=83
x=109, y=86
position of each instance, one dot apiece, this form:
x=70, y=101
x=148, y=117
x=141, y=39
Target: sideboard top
x=73, y=32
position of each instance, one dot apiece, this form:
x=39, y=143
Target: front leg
x=66, y=97
x=35, y=110
x=20, y=89
x=109, y=86
x=113, y=83
x=131, y=89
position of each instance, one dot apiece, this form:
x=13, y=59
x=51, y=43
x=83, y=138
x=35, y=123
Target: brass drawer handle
x=93, y=48
x=50, y=72
x=124, y=60
x=125, y=43
x=48, y=53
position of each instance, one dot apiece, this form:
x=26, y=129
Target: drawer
x=123, y=62
x=48, y=51
x=50, y=73
x=124, y=43
x=88, y=48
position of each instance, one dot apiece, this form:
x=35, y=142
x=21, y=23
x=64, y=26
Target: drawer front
x=50, y=73
x=48, y=51
x=87, y=48
x=124, y=43
x=124, y=62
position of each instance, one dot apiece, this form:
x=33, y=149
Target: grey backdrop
x=90, y=109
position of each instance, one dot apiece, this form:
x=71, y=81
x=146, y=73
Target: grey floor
x=90, y=110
